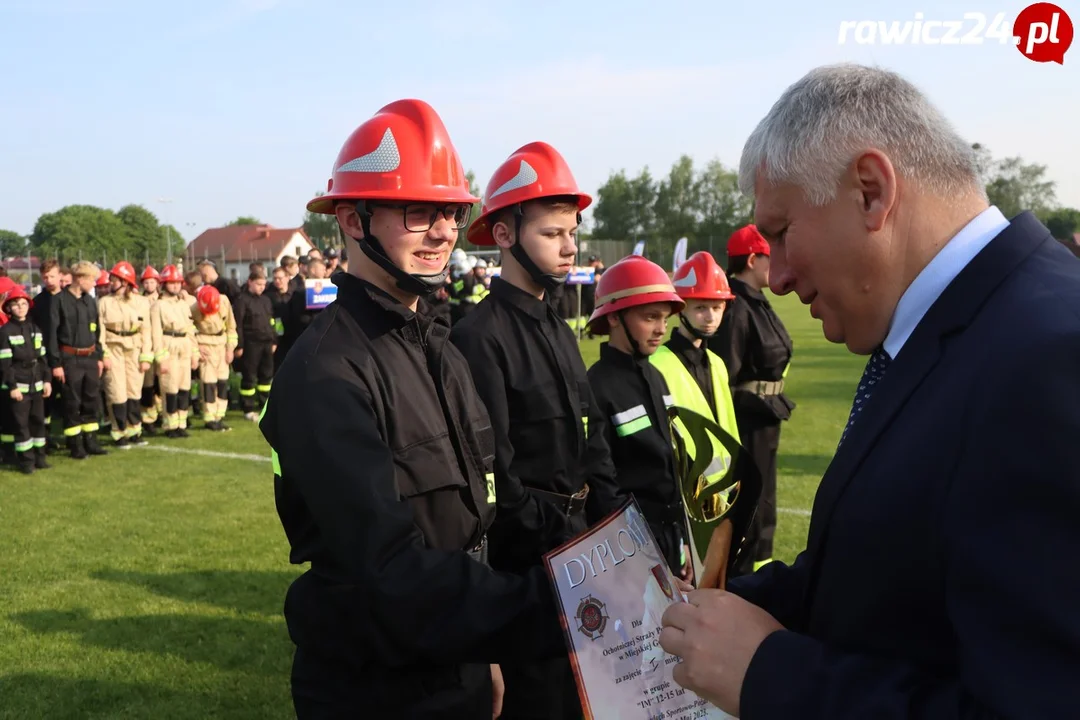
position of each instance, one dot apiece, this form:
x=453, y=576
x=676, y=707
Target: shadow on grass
x=796, y=464
x=227, y=643
x=246, y=591
x=59, y=698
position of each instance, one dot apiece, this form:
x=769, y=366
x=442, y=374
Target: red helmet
x=103, y=278
x=14, y=293
x=171, y=274
x=150, y=274
x=534, y=171
x=747, y=241
x=6, y=284
x=630, y=282
x=403, y=153
x=209, y=299
x=700, y=278
x=125, y=272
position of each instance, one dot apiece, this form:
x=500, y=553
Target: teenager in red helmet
x=383, y=459
x=756, y=348
x=25, y=376
x=696, y=378
x=634, y=300
x=553, y=469
x=124, y=320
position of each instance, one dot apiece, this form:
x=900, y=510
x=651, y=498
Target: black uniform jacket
x=382, y=448
x=549, y=433
x=754, y=345
x=73, y=321
x=297, y=317
x=254, y=319
x=22, y=355
x=631, y=395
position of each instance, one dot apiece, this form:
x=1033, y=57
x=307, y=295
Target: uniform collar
x=617, y=357
x=528, y=304
x=358, y=296
x=678, y=343
x=741, y=288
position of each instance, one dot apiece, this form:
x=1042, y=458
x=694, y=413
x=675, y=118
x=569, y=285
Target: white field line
x=207, y=453
x=802, y=512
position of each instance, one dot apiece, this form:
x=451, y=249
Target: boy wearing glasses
x=383, y=459
x=553, y=470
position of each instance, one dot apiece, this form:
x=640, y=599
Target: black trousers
x=28, y=421
x=546, y=689
x=81, y=397
x=325, y=688
x=256, y=368
x=761, y=438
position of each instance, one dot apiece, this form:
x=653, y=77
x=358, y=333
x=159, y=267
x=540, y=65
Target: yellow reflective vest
x=686, y=393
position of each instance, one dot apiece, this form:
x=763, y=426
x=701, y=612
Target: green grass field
x=149, y=583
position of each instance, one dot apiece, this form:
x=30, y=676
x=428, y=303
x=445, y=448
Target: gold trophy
x=720, y=513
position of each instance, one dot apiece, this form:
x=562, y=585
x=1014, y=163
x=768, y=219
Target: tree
x=80, y=231
x=246, y=220
x=322, y=229
x=474, y=190
x=1063, y=223
x=146, y=236
x=625, y=207
x=724, y=209
x=11, y=244
x=1015, y=186
x=678, y=201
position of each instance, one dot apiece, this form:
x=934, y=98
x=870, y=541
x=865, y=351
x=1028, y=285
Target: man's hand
x=228, y=357
x=17, y=395
x=144, y=367
x=498, y=688
x=58, y=373
x=106, y=364
x=716, y=634
x=239, y=352
x=100, y=367
x=47, y=391
x=194, y=362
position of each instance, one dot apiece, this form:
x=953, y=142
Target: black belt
x=124, y=333
x=663, y=513
x=172, y=333
x=567, y=504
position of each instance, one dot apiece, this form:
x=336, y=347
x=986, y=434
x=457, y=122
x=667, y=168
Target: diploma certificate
x=613, y=586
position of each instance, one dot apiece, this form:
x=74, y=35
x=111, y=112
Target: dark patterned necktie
x=872, y=375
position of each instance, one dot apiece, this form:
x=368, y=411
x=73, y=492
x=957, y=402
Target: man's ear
x=504, y=238
x=349, y=220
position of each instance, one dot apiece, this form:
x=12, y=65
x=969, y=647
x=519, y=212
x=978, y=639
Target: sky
x=240, y=107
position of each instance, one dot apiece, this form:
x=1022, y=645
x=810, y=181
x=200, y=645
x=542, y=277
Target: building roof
x=243, y=243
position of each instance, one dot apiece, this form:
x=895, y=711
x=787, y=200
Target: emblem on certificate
x=613, y=586
x=591, y=618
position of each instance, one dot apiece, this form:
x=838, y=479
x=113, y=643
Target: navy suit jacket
x=940, y=577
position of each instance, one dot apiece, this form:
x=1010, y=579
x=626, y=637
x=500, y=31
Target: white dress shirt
x=942, y=270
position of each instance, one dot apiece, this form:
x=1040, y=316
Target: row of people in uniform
x=122, y=352
x=423, y=471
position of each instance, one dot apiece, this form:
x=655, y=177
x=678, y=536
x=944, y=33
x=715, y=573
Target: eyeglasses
x=419, y=217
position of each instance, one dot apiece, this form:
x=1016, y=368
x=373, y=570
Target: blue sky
x=239, y=107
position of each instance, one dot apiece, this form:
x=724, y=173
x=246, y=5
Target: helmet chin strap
x=699, y=335
x=545, y=280
x=414, y=284
x=635, y=347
